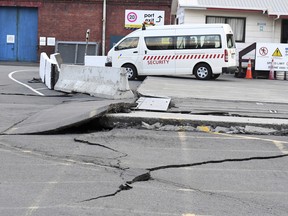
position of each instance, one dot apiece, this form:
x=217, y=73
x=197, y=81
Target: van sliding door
x=158, y=54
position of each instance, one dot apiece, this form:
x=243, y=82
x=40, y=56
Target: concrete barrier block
x=95, y=61
x=105, y=82
x=48, y=71
x=56, y=57
x=43, y=59
x=58, y=61
x=48, y=75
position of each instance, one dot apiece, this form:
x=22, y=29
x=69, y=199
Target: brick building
x=23, y=22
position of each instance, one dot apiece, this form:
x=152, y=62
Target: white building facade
x=252, y=21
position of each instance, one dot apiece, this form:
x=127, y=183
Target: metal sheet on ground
x=160, y=104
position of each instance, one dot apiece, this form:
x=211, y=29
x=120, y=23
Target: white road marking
x=279, y=144
x=27, y=86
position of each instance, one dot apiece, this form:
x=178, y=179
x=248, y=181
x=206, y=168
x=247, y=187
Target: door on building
x=284, y=31
x=18, y=34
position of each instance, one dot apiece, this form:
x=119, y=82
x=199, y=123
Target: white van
x=204, y=50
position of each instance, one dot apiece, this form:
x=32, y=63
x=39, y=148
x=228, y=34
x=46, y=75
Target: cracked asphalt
x=143, y=172
x=132, y=171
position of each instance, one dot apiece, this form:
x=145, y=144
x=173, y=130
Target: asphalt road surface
x=143, y=172
x=132, y=171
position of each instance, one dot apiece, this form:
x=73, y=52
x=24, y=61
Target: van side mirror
x=116, y=48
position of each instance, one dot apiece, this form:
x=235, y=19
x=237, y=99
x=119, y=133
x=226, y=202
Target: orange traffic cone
x=271, y=73
x=249, y=70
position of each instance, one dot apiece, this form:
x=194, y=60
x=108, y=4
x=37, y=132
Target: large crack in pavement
x=131, y=176
x=146, y=173
x=216, y=162
x=123, y=187
x=118, y=166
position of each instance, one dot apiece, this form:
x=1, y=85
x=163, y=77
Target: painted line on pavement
x=279, y=144
x=27, y=86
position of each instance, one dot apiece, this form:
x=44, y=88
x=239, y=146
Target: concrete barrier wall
x=105, y=82
x=95, y=61
x=49, y=69
x=57, y=59
x=42, y=69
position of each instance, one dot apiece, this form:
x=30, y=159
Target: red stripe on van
x=188, y=56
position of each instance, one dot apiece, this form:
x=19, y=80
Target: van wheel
x=203, y=71
x=131, y=71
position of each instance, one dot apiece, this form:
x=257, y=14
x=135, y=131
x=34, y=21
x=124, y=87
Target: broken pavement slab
x=232, y=89
x=65, y=115
x=136, y=118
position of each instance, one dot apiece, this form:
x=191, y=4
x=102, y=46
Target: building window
x=237, y=25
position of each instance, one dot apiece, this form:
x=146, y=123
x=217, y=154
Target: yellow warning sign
x=277, y=53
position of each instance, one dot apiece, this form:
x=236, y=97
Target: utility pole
x=104, y=28
x=87, y=41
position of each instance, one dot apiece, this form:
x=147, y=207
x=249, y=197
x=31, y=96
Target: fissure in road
x=146, y=176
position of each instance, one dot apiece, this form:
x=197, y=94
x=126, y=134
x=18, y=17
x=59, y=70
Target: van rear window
x=230, y=41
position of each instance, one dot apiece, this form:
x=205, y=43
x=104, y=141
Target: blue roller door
x=8, y=20
x=18, y=34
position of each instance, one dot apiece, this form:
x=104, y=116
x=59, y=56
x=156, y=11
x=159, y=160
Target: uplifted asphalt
x=225, y=102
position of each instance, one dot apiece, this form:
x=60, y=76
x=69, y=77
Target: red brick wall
x=68, y=20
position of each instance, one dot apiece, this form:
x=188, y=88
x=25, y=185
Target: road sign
x=277, y=53
x=135, y=18
x=265, y=52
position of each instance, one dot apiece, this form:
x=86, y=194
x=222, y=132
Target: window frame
x=174, y=45
x=226, y=18
x=161, y=46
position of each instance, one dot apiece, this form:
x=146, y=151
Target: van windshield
x=230, y=41
x=128, y=43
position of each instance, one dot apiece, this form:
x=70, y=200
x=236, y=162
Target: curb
x=136, y=118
